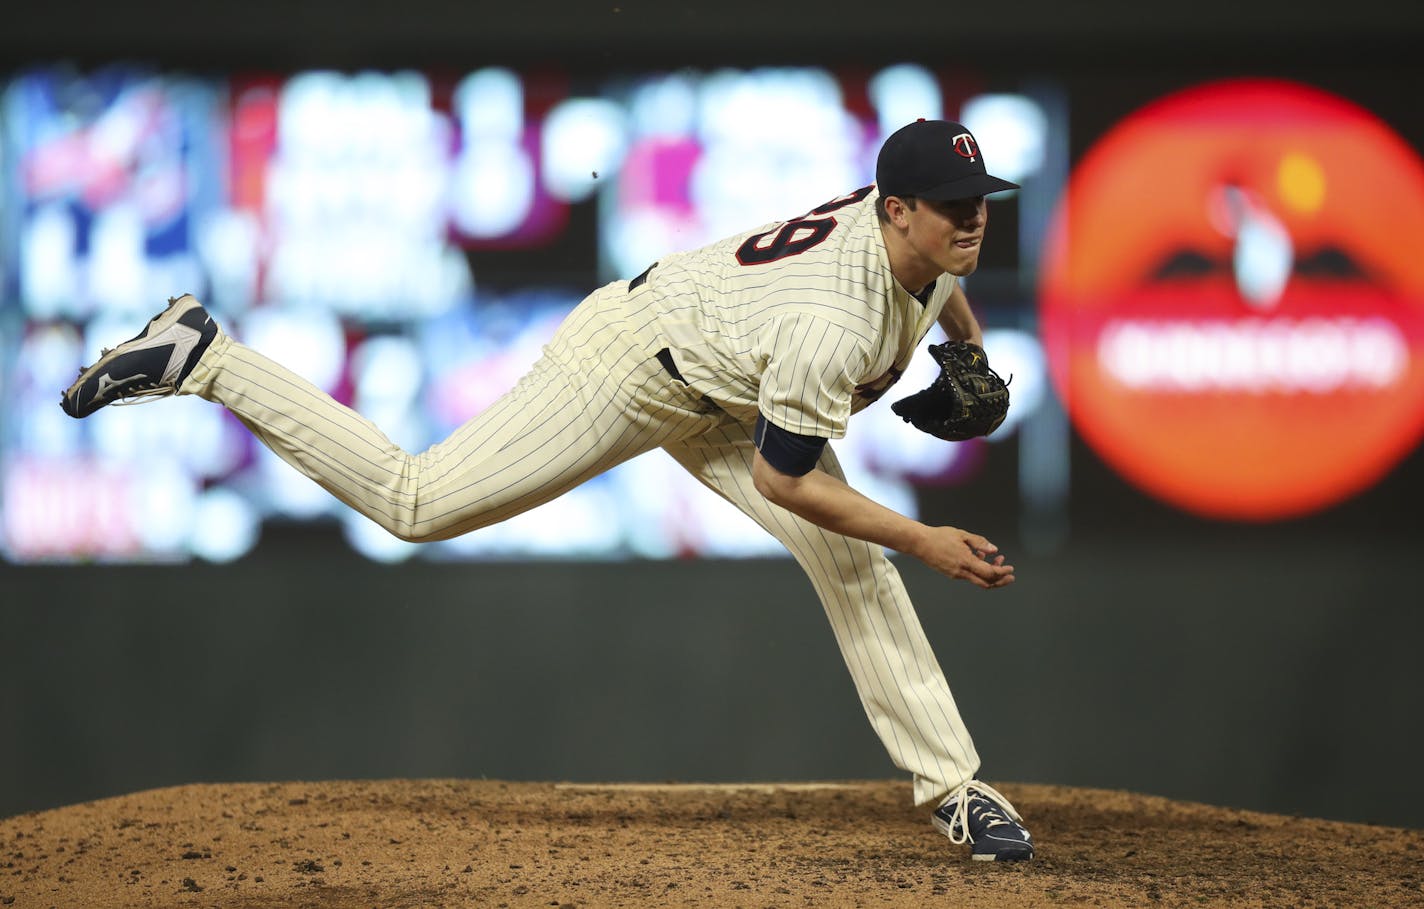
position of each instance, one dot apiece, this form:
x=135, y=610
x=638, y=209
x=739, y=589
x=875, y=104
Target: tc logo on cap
x=964, y=145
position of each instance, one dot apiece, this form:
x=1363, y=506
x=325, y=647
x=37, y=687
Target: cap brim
x=967, y=188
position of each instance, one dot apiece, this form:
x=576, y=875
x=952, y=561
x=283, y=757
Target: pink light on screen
x=657, y=174
x=69, y=508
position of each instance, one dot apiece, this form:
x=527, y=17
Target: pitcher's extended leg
x=899, y=681
x=584, y=407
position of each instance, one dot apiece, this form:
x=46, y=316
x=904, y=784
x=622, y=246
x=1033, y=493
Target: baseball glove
x=968, y=398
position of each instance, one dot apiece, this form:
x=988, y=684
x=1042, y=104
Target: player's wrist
x=916, y=540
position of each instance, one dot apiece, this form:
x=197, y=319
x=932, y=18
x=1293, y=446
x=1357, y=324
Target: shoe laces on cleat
x=144, y=395
x=980, y=804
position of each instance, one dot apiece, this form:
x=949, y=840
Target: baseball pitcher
x=742, y=360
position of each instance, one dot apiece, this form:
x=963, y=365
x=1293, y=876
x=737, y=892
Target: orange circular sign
x=1233, y=299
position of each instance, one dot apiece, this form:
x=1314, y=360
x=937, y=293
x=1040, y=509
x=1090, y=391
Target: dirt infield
x=484, y=843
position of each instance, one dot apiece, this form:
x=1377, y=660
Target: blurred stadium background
x=1208, y=292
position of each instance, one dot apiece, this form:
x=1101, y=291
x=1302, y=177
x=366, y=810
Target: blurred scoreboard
x=335, y=222
x=1222, y=298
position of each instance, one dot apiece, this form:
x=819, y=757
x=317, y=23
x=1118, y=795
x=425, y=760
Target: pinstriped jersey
x=800, y=321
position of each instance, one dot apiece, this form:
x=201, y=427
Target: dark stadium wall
x=1275, y=679
x=330, y=32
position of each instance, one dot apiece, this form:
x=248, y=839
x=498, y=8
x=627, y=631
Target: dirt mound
x=484, y=843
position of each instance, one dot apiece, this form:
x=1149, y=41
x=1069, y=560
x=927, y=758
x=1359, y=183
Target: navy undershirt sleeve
x=792, y=454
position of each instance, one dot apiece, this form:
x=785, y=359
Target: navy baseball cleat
x=976, y=814
x=151, y=364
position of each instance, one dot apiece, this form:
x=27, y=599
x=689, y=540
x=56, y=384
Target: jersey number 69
x=797, y=235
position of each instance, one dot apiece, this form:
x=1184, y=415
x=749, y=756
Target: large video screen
x=357, y=227
x=408, y=240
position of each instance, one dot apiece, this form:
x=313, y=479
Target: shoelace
x=995, y=814
x=143, y=396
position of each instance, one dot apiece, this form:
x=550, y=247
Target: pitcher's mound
x=433, y=843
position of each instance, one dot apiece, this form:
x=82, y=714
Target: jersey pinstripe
x=805, y=339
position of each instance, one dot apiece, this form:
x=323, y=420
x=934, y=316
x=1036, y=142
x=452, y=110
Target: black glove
x=968, y=398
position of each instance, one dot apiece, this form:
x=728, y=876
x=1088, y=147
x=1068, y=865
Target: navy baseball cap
x=934, y=159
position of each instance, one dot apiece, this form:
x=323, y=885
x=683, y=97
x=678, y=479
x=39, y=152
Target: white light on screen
x=46, y=360
x=386, y=369
x=310, y=342
x=645, y=489
x=47, y=431
x=370, y=116
x=490, y=104
x=414, y=190
x=664, y=106
x=1263, y=253
x=718, y=530
x=571, y=524
x=388, y=376
x=48, y=357
x=164, y=277
x=773, y=104
x=188, y=430
x=584, y=142
x=106, y=328
x=582, y=523
x=904, y=93
x=279, y=489
x=357, y=208
x=1017, y=356
x=224, y=528
x=1012, y=130
x=493, y=182
x=644, y=236
x=161, y=501
x=1262, y=260
x=48, y=279
x=668, y=513
x=116, y=259
x=227, y=243
x=392, y=115
x=493, y=188
x=756, y=165
x=306, y=113
x=1294, y=356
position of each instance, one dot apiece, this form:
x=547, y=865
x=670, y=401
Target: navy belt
x=643, y=278
x=665, y=357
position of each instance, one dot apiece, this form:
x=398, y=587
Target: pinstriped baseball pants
x=596, y=398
